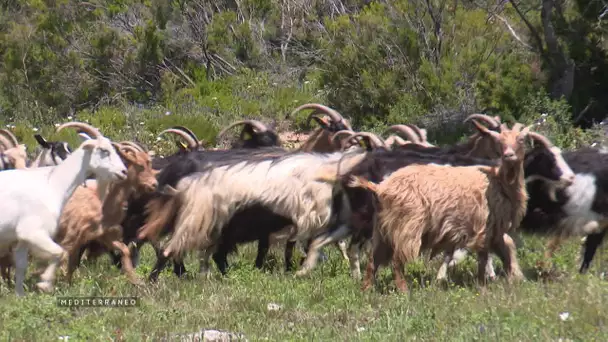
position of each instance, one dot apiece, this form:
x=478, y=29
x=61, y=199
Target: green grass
x=326, y=306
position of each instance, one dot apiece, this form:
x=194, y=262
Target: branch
x=533, y=31
x=513, y=33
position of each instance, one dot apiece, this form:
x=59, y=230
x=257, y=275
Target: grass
x=326, y=306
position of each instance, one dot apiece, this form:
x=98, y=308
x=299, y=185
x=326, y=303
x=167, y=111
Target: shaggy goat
x=546, y=172
x=34, y=199
x=282, y=184
x=443, y=208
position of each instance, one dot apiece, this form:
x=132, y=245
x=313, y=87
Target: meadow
x=560, y=305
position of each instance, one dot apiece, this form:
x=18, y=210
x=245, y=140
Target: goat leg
x=127, y=266
x=263, y=245
x=592, y=242
x=289, y=248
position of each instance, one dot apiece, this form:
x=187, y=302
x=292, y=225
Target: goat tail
x=360, y=182
x=194, y=222
x=160, y=213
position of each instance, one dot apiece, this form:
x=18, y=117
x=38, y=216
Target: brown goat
x=85, y=218
x=443, y=208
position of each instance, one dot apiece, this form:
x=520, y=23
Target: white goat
x=34, y=198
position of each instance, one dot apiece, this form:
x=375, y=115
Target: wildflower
x=167, y=113
x=35, y=129
x=564, y=316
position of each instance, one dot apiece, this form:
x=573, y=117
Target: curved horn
x=418, y=131
x=486, y=118
x=395, y=139
x=130, y=148
x=407, y=132
x=5, y=144
x=341, y=133
x=90, y=130
x=541, y=139
x=10, y=136
x=319, y=108
x=133, y=145
x=192, y=144
x=374, y=139
x=187, y=130
x=255, y=123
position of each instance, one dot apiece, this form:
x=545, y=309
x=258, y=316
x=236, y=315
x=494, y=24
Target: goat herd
x=403, y=194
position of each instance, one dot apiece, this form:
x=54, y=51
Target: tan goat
x=443, y=208
x=85, y=218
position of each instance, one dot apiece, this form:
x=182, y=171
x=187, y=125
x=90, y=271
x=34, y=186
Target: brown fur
x=442, y=208
x=86, y=219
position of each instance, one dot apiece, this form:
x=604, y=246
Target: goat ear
x=41, y=141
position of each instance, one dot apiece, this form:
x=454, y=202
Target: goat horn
x=343, y=132
x=418, y=131
x=394, y=139
x=319, y=108
x=255, y=123
x=407, y=132
x=541, y=139
x=486, y=118
x=191, y=142
x=187, y=130
x=90, y=130
x=130, y=148
x=374, y=139
x=5, y=144
x=10, y=136
x=133, y=145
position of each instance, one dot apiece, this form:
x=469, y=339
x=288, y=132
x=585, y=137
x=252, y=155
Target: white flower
x=167, y=113
x=35, y=129
x=360, y=329
x=564, y=316
x=57, y=125
x=70, y=117
x=306, y=82
x=142, y=123
x=214, y=98
x=158, y=139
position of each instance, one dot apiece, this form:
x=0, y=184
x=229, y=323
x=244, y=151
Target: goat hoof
x=45, y=286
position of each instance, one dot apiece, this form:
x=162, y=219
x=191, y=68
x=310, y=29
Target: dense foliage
x=206, y=62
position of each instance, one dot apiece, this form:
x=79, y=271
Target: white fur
x=286, y=186
x=34, y=198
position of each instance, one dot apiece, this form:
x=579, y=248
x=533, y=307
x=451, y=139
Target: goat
x=321, y=139
x=12, y=154
x=34, y=199
x=52, y=153
x=547, y=172
x=441, y=207
x=254, y=134
x=579, y=209
x=87, y=218
x=282, y=184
